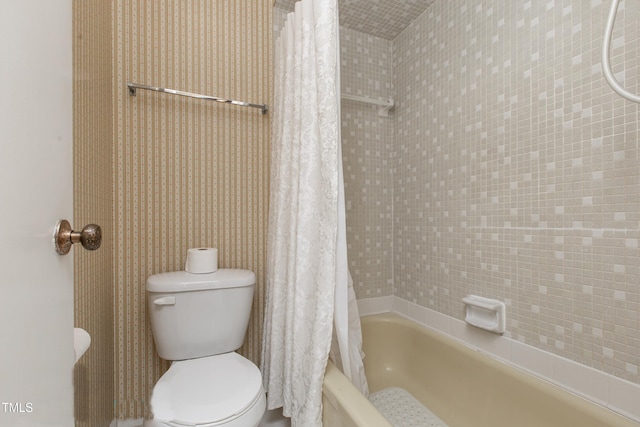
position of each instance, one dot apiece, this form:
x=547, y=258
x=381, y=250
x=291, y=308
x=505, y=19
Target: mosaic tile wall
x=381, y=18
x=513, y=170
x=518, y=175
x=367, y=149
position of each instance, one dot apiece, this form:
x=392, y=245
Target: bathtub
x=463, y=387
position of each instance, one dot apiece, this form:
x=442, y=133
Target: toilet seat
x=208, y=391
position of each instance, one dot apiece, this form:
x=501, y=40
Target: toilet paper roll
x=201, y=260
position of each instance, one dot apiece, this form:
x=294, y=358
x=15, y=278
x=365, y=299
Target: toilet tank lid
x=181, y=281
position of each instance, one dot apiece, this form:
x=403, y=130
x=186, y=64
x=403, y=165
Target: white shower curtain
x=306, y=247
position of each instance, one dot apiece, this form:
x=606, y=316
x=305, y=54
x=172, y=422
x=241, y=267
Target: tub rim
x=336, y=389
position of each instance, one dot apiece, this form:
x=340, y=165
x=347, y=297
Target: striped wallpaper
x=187, y=173
x=93, y=203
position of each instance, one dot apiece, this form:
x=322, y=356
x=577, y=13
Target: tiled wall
x=382, y=18
x=517, y=174
x=513, y=170
x=93, y=203
x=187, y=173
x=367, y=150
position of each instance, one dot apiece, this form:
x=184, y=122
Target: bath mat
x=403, y=410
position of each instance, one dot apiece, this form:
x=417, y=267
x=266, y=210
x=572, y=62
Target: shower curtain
x=306, y=247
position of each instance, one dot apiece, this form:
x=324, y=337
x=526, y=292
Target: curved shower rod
x=606, y=65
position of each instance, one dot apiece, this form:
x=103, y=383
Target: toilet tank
x=198, y=315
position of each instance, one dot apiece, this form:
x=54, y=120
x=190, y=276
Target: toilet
x=198, y=321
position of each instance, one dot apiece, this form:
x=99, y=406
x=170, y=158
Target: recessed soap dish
x=485, y=313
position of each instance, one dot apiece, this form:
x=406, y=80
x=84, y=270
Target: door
x=36, y=284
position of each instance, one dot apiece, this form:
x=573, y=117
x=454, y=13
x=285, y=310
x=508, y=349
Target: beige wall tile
x=366, y=70
x=513, y=172
x=517, y=173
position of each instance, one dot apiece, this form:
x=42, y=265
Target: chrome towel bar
x=134, y=86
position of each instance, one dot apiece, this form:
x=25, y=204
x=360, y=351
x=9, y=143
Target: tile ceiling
x=381, y=18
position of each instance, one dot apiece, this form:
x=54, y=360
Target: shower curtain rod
x=134, y=86
x=385, y=104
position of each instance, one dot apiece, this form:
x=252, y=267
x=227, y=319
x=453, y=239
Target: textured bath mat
x=403, y=410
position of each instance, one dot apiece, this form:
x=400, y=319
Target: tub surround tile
x=624, y=397
x=507, y=169
x=418, y=313
x=398, y=305
x=599, y=387
x=495, y=345
x=439, y=321
x=463, y=332
x=383, y=19
x=366, y=70
x=582, y=380
x=531, y=359
x=376, y=305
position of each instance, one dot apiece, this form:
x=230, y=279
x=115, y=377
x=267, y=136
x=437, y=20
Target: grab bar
x=134, y=86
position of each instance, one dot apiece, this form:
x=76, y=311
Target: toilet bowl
x=198, y=320
x=223, y=390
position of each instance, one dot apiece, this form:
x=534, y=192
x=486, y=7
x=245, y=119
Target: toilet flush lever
x=165, y=301
x=90, y=237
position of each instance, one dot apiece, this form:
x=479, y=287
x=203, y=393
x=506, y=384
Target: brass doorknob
x=64, y=237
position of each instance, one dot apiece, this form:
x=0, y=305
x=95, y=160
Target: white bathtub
x=461, y=386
